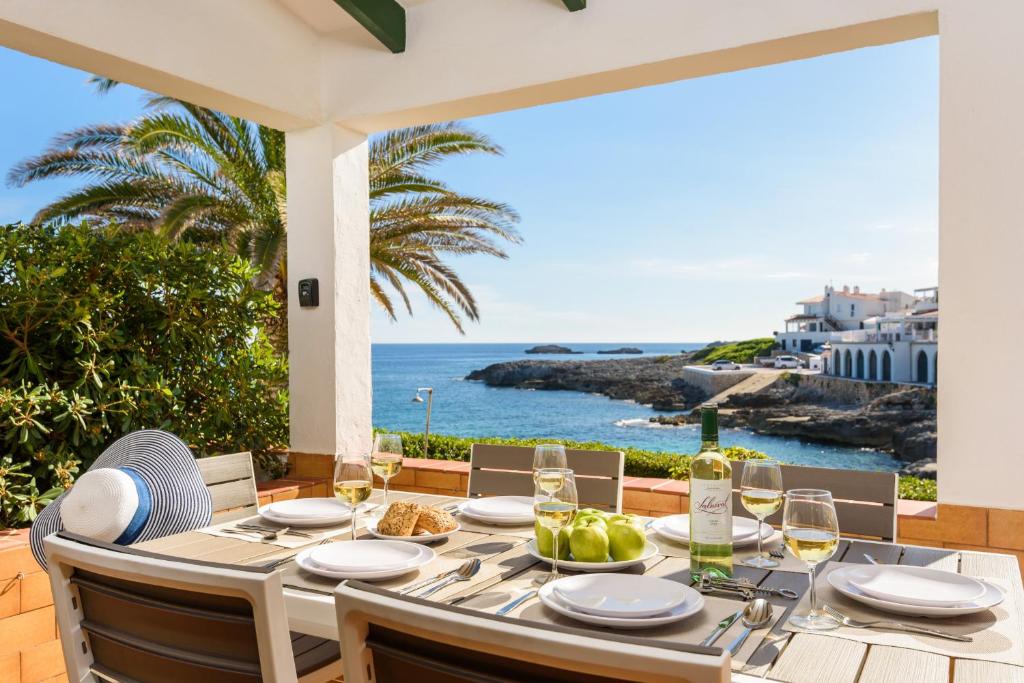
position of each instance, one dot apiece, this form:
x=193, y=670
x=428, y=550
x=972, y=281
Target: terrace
x=331, y=74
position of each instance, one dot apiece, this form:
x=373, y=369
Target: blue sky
x=691, y=211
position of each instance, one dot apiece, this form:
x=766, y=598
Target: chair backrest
x=232, y=485
x=865, y=501
x=508, y=471
x=389, y=638
x=124, y=614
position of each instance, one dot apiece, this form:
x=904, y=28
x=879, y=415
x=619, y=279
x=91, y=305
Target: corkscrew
x=744, y=587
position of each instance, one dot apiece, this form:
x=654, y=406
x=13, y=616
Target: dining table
x=508, y=571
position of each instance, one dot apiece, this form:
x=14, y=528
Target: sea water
x=465, y=408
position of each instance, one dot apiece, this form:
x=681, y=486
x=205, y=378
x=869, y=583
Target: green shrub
x=639, y=463
x=103, y=332
x=737, y=352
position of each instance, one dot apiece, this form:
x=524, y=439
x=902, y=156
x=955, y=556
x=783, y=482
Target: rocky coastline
x=894, y=418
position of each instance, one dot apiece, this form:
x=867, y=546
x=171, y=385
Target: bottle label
x=711, y=511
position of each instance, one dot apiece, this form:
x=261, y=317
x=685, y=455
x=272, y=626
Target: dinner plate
x=503, y=520
x=611, y=566
x=660, y=528
x=838, y=579
x=365, y=556
x=303, y=560
x=620, y=595
x=308, y=508
x=916, y=585
x=304, y=522
x=743, y=528
x=693, y=604
x=371, y=526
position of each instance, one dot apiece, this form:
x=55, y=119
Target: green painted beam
x=385, y=19
x=575, y=5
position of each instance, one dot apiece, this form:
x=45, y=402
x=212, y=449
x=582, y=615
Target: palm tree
x=194, y=173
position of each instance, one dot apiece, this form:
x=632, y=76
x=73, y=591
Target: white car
x=787, y=362
x=724, y=365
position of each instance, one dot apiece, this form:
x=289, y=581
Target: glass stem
x=554, y=555
x=814, y=595
x=759, y=535
x=386, y=480
x=354, y=522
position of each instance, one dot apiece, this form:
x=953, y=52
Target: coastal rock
x=926, y=468
x=552, y=348
x=623, y=349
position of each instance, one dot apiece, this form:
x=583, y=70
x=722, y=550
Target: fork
x=265, y=536
x=895, y=625
x=777, y=554
x=285, y=531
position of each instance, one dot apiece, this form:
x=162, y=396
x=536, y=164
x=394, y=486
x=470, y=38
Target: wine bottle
x=710, y=501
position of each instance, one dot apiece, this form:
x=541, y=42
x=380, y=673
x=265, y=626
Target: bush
x=103, y=332
x=639, y=463
x=737, y=352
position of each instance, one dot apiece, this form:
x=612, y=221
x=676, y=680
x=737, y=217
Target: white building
x=897, y=346
x=837, y=311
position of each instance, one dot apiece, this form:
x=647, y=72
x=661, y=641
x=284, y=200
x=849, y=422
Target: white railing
x=870, y=336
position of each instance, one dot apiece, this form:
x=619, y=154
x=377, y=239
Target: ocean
x=467, y=408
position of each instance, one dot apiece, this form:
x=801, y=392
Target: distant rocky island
x=621, y=350
x=552, y=348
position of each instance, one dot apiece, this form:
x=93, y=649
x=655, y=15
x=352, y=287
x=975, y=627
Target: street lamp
x=419, y=399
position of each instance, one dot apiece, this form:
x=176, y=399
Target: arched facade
x=860, y=364
x=921, y=365
x=886, y=366
x=848, y=364
x=872, y=365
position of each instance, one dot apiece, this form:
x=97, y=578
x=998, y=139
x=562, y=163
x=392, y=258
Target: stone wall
x=851, y=391
x=711, y=381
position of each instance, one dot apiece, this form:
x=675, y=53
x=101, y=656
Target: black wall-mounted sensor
x=309, y=292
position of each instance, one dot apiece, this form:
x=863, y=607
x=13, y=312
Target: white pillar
x=329, y=239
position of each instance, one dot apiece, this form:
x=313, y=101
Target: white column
x=329, y=239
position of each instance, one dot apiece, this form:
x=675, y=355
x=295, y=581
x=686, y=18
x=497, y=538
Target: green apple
x=587, y=520
x=545, y=541
x=589, y=511
x=611, y=519
x=589, y=542
x=625, y=540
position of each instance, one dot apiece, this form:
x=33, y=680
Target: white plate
x=302, y=559
x=304, y=522
x=660, y=528
x=364, y=556
x=838, y=578
x=693, y=604
x=650, y=551
x=743, y=528
x=308, y=508
x=620, y=595
x=498, y=521
x=371, y=526
x=510, y=507
x=916, y=585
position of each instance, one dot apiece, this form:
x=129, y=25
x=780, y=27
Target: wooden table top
x=508, y=570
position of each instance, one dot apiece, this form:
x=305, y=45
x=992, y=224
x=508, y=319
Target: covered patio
x=330, y=74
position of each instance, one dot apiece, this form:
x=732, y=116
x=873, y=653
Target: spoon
x=467, y=571
x=756, y=614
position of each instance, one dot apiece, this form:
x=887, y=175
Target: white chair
x=130, y=615
x=232, y=485
x=508, y=471
x=388, y=638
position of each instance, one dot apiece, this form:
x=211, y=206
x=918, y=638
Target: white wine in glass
x=554, y=509
x=353, y=483
x=811, y=532
x=386, y=459
x=761, y=495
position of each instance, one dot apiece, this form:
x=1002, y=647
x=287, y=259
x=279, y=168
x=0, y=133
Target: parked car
x=725, y=365
x=787, y=362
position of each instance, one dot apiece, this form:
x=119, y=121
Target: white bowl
x=838, y=578
x=620, y=595
x=916, y=585
x=693, y=604
x=610, y=566
x=371, y=526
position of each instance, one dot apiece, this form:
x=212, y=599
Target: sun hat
x=144, y=486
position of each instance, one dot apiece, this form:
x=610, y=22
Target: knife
x=722, y=627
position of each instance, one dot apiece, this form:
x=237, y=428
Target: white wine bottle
x=710, y=501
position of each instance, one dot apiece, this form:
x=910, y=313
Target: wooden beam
x=385, y=19
x=575, y=5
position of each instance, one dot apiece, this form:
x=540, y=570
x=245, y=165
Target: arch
x=935, y=369
x=872, y=365
x=848, y=364
x=922, y=367
x=860, y=364
x=886, y=366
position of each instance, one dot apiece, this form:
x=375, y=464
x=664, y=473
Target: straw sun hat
x=144, y=486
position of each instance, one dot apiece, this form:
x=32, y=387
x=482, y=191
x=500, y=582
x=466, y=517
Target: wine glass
x=811, y=531
x=549, y=456
x=555, y=508
x=353, y=482
x=761, y=494
x=386, y=459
